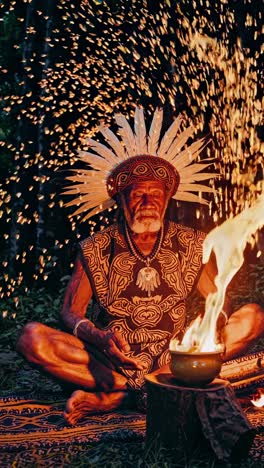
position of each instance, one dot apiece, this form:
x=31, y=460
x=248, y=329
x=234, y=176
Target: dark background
x=65, y=67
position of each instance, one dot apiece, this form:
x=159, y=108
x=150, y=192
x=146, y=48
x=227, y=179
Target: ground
x=17, y=376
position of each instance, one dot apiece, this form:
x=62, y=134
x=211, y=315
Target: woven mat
x=34, y=433
x=25, y=422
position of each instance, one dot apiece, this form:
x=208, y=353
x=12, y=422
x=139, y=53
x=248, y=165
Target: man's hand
x=115, y=347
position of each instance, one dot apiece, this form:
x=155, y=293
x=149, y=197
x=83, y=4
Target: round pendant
x=148, y=279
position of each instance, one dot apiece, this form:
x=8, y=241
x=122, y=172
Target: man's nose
x=147, y=199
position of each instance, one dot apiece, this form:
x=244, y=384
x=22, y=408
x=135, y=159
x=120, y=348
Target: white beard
x=142, y=224
x=140, y=227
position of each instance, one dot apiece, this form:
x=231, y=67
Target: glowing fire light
x=228, y=242
x=258, y=400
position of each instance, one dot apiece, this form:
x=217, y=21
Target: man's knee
x=31, y=342
x=255, y=320
x=245, y=325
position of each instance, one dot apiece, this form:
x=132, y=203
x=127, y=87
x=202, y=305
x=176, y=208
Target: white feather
x=104, y=206
x=88, y=201
x=140, y=131
x=178, y=143
x=127, y=134
x=86, y=180
x=193, y=169
x=190, y=197
x=103, y=151
x=169, y=137
x=198, y=176
x=154, y=132
x=185, y=157
x=83, y=189
x=91, y=175
x=189, y=187
x=95, y=161
x=114, y=142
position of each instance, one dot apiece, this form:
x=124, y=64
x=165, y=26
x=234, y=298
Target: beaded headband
x=138, y=157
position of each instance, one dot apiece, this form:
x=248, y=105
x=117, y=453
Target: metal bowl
x=195, y=369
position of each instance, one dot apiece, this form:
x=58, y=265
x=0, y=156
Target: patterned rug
x=33, y=432
x=25, y=422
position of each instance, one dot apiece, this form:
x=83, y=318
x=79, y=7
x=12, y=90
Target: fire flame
x=228, y=242
x=258, y=399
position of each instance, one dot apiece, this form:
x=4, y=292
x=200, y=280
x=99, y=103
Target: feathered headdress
x=138, y=156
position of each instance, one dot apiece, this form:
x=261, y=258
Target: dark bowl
x=195, y=369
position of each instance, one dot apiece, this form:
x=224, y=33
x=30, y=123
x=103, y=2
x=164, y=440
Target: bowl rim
x=203, y=353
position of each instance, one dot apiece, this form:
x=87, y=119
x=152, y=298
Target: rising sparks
x=76, y=64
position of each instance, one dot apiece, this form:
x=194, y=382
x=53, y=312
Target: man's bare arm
x=77, y=297
x=244, y=326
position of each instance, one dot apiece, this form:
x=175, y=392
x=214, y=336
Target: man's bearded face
x=144, y=206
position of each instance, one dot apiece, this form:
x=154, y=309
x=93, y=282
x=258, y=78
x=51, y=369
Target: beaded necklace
x=148, y=277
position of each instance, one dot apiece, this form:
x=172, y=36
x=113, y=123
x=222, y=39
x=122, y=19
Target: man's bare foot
x=82, y=403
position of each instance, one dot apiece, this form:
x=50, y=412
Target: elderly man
x=138, y=272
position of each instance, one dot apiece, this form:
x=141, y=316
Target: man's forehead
x=145, y=184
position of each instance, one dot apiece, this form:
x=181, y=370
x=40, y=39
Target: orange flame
x=228, y=242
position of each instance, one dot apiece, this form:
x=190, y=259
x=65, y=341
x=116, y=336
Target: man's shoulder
x=98, y=236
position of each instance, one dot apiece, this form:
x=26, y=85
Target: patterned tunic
x=146, y=323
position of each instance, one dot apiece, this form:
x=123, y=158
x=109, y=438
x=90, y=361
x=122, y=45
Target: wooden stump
x=183, y=417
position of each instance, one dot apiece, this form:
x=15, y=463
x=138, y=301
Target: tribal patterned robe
x=146, y=323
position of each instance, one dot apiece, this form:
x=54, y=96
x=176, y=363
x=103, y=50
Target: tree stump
x=184, y=417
